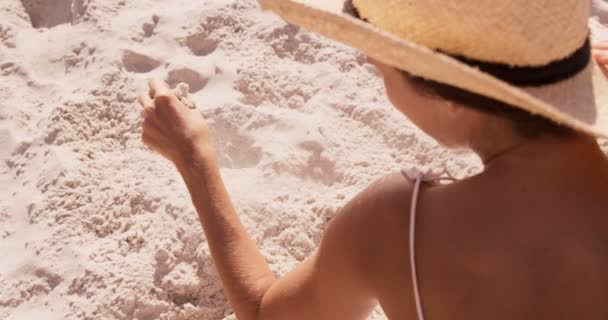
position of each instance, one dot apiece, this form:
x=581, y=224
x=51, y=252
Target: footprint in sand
x=200, y=44
x=289, y=42
x=51, y=13
x=138, y=62
x=149, y=27
x=195, y=80
x=80, y=56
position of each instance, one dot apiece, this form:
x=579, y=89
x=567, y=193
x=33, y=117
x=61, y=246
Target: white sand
x=94, y=226
x=600, y=9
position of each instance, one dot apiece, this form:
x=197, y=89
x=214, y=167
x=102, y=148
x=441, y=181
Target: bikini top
x=418, y=176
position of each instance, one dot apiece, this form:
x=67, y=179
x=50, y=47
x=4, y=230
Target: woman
x=524, y=239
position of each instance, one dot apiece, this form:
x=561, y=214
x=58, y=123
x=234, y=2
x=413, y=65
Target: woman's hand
x=172, y=129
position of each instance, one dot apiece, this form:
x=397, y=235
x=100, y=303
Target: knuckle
x=163, y=100
x=146, y=113
x=150, y=108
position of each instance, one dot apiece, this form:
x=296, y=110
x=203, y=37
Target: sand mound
x=95, y=226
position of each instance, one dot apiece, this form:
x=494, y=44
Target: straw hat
x=534, y=55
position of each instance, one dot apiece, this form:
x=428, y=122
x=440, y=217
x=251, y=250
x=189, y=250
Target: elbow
x=252, y=308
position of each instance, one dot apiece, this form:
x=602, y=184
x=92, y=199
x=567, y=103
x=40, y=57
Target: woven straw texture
x=580, y=102
x=538, y=32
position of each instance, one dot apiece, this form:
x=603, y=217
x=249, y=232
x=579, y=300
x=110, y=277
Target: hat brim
x=580, y=102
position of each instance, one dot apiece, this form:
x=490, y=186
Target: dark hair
x=525, y=123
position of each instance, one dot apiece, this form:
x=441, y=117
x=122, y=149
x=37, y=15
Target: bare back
x=516, y=242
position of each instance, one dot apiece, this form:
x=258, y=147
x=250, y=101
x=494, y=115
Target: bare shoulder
x=384, y=201
x=373, y=235
x=374, y=223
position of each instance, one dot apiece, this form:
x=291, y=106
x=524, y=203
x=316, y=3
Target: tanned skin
x=525, y=239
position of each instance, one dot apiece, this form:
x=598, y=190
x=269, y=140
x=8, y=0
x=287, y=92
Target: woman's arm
x=245, y=273
x=331, y=284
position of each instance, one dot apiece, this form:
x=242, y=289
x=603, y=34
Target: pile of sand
x=95, y=226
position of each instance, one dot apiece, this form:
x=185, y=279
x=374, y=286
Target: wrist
x=196, y=158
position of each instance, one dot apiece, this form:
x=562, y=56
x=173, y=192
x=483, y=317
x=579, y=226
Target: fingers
x=158, y=87
x=151, y=132
x=159, y=98
x=155, y=140
x=163, y=96
x=150, y=116
x=161, y=93
x=146, y=102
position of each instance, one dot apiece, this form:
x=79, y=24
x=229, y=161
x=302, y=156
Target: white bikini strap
x=418, y=178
